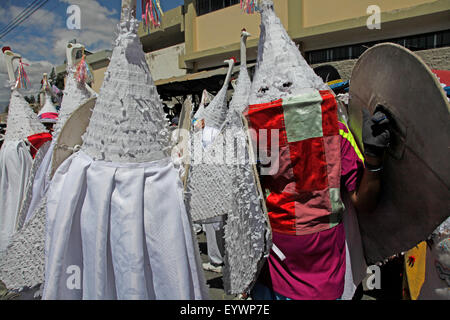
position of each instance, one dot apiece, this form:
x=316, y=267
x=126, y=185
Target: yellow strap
x=349, y=137
x=334, y=82
x=159, y=7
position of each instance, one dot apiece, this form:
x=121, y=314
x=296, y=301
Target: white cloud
x=42, y=19
x=28, y=46
x=98, y=30
x=98, y=27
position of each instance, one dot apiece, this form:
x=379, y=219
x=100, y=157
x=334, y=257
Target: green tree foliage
x=59, y=81
x=30, y=99
x=52, y=77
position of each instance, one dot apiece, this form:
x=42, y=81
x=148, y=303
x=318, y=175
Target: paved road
x=213, y=279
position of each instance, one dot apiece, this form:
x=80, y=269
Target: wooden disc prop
x=71, y=133
x=415, y=196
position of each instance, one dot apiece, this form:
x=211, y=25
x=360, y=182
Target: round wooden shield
x=71, y=132
x=415, y=196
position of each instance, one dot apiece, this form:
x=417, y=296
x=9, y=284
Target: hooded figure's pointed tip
x=216, y=112
x=281, y=70
x=242, y=88
x=245, y=33
x=128, y=123
x=48, y=113
x=231, y=61
x=264, y=5
x=22, y=121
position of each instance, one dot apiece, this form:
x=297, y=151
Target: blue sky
x=41, y=39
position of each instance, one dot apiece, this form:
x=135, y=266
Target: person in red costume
x=307, y=160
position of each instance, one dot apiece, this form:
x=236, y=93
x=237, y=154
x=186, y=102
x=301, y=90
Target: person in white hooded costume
x=212, y=117
x=204, y=102
x=223, y=188
x=15, y=157
x=48, y=113
x=75, y=93
x=247, y=228
x=22, y=264
x=122, y=221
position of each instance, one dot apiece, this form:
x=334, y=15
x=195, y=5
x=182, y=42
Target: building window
x=414, y=43
x=206, y=6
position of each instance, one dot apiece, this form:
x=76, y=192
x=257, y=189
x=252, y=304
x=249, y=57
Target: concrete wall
x=99, y=75
x=434, y=58
x=316, y=24
x=163, y=63
x=219, y=28
x=223, y=27
x=319, y=12
x=344, y=67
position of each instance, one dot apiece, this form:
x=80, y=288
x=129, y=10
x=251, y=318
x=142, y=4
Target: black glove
x=375, y=133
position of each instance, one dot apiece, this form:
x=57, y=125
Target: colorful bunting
x=21, y=76
x=151, y=13
x=83, y=73
x=249, y=6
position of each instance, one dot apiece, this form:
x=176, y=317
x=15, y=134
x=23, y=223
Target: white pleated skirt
x=120, y=231
x=41, y=182
x=15, y=166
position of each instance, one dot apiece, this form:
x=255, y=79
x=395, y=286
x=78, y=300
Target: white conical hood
x=242, y=90
x=128, y=123
x=22, y=121
x=48, y=113
x=281, y=70
x=75, y=93
x=217, y=110
x=206, y=100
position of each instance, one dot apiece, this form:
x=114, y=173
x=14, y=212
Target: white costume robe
x=121, y=228
x=15, y=166
x=15, y=163
x=117, y=227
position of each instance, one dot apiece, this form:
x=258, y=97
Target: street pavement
x=213, y=279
